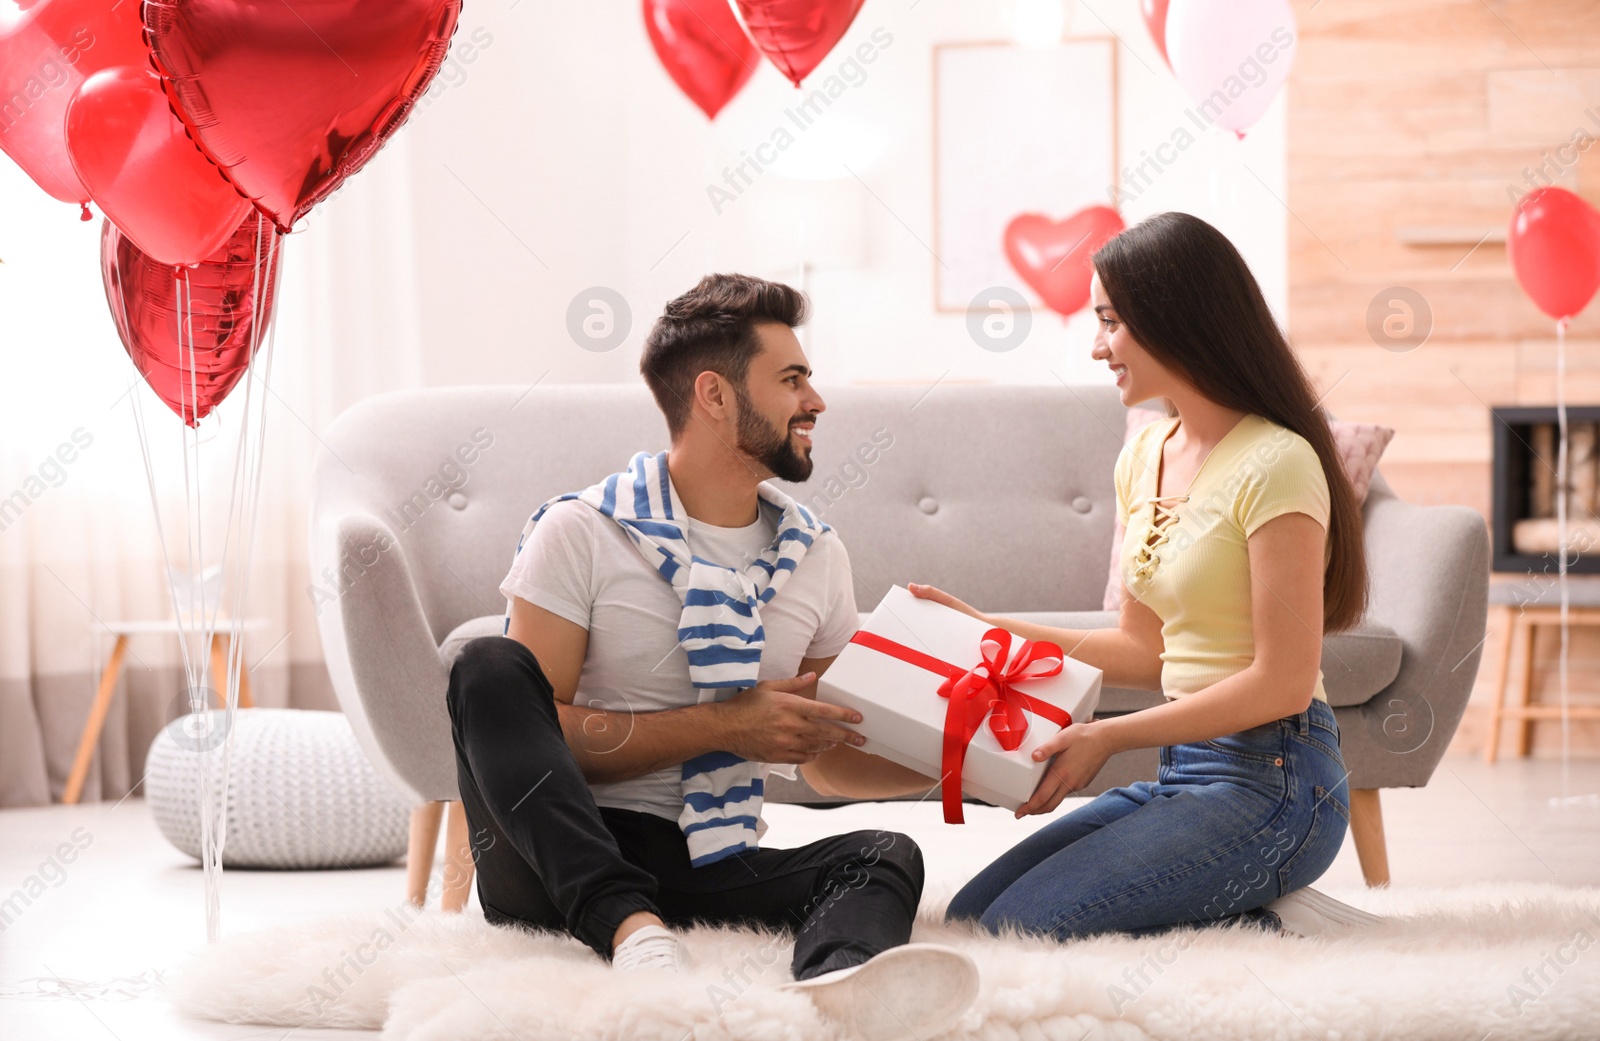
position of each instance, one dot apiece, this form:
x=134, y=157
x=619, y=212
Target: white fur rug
x=1511, y=961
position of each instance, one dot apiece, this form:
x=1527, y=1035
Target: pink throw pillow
x=1360, y=446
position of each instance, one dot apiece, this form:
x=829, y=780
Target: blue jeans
x=1229, y=825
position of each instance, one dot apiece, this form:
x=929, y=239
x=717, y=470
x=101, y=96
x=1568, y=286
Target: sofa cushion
x=1356, y=664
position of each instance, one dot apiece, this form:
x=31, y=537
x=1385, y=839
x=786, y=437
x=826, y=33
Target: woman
x=1243, y=546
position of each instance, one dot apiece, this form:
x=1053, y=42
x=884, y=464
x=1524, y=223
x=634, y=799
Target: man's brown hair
x=712, y=327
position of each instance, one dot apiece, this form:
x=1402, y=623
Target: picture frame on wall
x=1015, y=130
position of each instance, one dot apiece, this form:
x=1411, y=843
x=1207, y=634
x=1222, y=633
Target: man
x=666, y=628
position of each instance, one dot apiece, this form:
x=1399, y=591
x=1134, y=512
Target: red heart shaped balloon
x=290, y=99
x=796, y=35
x=47, y=49
x=1554, y=247
x=1053, y=256
x=221, y=307
x=702, y=48
x=146, y=175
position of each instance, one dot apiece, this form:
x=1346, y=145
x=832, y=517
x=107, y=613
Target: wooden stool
x=108, y=687
x=1521, y=613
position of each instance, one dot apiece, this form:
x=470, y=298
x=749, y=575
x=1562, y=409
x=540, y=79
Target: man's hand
x=772, y=722
x=1080, y=751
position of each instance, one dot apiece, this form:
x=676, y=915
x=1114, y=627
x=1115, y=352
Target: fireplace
x=1523, y=492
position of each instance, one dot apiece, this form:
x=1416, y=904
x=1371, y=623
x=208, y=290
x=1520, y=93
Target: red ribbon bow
x=982, y=692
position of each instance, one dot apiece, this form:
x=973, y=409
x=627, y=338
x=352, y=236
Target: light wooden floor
x=131, y=905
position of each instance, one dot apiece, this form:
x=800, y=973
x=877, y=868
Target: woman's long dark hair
x=1188, y=298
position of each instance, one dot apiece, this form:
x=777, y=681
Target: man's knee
x=909, y=855
x=489, y=652
x=892, y=848
x=490, y=665
x=494, y=657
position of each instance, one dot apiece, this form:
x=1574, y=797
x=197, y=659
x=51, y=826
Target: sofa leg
x=1366, y=827
x=458, y=862
x=419, y=852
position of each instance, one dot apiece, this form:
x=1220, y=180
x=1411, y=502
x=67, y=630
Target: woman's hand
x=1080, y=751
x=939, y=596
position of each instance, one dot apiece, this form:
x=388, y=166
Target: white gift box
x=903, y=714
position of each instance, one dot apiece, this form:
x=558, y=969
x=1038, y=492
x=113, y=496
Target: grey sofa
x=1001, y=495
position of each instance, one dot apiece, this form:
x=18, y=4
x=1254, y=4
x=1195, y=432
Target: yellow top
x=1195, y=572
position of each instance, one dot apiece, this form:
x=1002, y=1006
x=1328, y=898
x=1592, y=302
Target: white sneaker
x=916, y=990
x=1306, y=912
x=649, y=947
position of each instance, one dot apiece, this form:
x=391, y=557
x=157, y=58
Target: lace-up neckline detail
x=1162, y=518
x=1163, y=508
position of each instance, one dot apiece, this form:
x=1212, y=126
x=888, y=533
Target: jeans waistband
x=1300, y=722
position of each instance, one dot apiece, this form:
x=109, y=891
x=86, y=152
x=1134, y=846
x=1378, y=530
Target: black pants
x=548, y=857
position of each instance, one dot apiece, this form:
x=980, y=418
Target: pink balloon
x=144, y=172
x=1155, y=20
x=1231, y=56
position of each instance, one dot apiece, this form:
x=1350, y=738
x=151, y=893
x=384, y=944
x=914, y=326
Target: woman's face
x=1139, y=376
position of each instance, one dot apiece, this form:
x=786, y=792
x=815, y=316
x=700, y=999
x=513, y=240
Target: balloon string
x=244, y=504
x=190, y=679
x=197, y=704
x=201, y=630
x=240, y=464
x=1561, y=544
x=188, y=486
x=155, y=503
x=211, y=800
x=251, y=468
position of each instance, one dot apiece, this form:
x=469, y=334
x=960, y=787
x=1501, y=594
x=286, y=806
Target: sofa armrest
x=1429, y=569
x=382, y=660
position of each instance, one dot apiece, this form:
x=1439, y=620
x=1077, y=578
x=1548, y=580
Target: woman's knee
x=1000, y=917
x=968, y=905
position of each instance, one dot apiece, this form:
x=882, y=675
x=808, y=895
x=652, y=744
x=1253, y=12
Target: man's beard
x=766, y=444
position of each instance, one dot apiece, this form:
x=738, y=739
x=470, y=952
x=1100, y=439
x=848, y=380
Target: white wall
x=554, y=155
x=562, y=157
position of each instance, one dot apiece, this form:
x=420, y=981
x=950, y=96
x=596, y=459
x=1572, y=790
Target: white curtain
x=79, y=546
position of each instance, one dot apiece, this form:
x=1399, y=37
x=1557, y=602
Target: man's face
x=777, y=407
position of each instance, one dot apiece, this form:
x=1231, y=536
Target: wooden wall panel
x=1434, y=115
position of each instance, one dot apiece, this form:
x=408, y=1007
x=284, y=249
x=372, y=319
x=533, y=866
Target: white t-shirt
x=579, y=564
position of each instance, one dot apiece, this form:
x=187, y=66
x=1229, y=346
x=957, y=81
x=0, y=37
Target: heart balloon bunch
x=204, y=129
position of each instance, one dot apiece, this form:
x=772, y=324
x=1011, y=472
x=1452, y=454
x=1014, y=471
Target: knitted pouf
x=301, y=793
